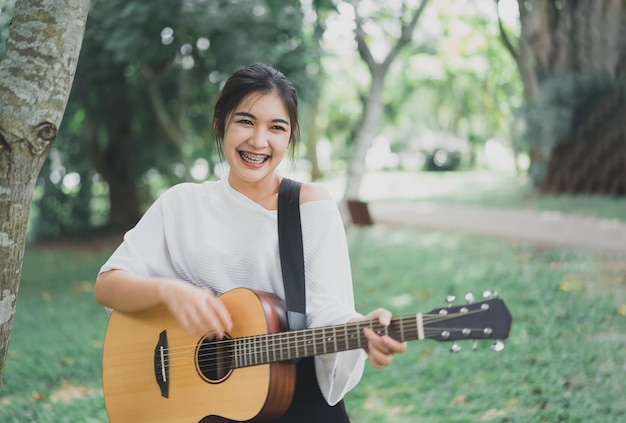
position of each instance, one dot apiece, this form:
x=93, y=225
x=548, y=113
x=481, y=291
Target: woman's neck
x=263, y=192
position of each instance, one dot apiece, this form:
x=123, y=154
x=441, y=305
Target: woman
x=198, y=241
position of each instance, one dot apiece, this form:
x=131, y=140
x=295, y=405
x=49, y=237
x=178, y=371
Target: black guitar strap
x=291, y=252
x=308, y=404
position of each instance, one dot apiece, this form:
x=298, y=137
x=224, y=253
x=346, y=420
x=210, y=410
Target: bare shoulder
x=313, y=192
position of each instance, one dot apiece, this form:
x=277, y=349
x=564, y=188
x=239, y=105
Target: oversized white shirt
x=217, y=238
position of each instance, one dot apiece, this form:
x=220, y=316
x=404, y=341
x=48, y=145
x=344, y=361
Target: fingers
x=199, y=311
x=381, y=349
x=213, y=319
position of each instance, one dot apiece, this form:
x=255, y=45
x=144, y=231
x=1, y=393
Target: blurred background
x=530, y=87
x=515, y=105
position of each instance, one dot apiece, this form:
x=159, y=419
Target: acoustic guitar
x=154, y=371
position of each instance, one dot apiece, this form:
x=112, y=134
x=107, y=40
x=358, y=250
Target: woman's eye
x=245, y=121
x=279, y=128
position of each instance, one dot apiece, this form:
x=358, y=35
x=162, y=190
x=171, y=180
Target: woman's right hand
x=198, y=310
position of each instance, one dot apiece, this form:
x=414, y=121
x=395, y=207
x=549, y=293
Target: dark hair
x=252, y=79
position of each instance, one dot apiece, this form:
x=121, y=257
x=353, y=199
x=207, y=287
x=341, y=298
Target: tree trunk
x=372, y=109
x=372, y=106
x=594, y=162
x=116, y=165
x=36, y=75
x=582, y=37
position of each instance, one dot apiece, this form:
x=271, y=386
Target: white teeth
x=253, y=158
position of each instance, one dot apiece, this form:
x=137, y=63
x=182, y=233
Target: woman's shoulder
x=313, y=192
x=183, y=188
x=184, y=192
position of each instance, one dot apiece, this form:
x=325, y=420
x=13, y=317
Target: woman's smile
x=256, y=138
x=252, y=159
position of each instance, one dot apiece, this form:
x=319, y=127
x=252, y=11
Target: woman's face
x=256, y=138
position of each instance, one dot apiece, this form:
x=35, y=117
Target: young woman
x=198, y=241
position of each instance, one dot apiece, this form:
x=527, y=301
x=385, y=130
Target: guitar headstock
x=488, y=319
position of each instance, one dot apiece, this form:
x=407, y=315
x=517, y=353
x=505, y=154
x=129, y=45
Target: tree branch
x=504, y=36
x=406, y=35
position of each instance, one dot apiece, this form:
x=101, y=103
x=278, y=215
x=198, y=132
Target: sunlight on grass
x=564, y=360
x=489, y=188
x=560, y=364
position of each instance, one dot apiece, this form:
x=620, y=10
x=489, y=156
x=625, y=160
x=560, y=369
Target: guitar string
x=319, y=332
x=263, y=347
x=225, y=367
x=427, y=319
x=257, y=344
x=213, y=365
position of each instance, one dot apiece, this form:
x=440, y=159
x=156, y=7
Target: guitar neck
x=484, y=320
x=284, y=346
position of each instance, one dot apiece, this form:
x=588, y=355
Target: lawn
x=564, y=360
x=500, y=189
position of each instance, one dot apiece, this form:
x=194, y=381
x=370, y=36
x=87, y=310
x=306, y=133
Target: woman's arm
x=198, y=310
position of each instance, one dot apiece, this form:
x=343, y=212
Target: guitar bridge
x=161, y=365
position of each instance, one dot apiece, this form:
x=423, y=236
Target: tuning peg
x=469, y=297
x=450, y=299
x=498, y=346
x=490, y=294
x=475, y=345
x=455, y=348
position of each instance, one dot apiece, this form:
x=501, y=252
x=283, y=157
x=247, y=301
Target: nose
x=259, y=138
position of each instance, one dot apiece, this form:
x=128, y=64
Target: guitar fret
x=304, y=343
x=288, y=348
x=274, y=346
x=335, y=337
x=243, y=362
x=307, y=344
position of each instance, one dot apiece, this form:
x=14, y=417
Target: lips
x=254, y=159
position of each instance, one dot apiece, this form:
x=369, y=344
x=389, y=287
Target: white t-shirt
x=215, y=237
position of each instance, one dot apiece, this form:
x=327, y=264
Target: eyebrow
x=250, y=115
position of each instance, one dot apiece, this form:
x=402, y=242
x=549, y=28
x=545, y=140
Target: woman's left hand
x=381, y=348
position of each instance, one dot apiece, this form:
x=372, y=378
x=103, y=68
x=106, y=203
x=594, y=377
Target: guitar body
x=137, y=388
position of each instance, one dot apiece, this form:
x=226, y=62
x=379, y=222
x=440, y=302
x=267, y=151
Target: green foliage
x=134, y=55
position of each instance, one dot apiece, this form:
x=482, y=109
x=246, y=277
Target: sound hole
x=214, y=359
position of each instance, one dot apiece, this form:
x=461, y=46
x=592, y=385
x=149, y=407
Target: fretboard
x=285, y=346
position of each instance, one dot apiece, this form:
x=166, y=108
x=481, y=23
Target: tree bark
x=36, y=76
x=571, y=37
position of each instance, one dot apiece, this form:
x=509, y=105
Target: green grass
x=501, y=189
x=53, y=367
x=564, y=361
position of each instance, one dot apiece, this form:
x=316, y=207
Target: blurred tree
x=35, y=79
x=393, y=18
x=144, y=90
x=570, y=56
